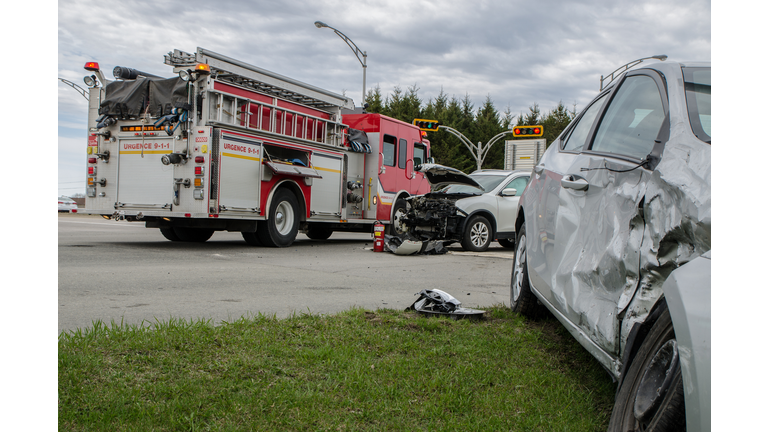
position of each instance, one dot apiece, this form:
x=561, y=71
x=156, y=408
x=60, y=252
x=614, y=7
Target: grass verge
x=359, y=370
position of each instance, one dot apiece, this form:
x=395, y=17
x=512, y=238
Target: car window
x=419, y=154
x=488, y=182
x=519, y=184
x=403, y=153
x=388, y=150
x=698, y=97
x=578, y=135
x=633, y=119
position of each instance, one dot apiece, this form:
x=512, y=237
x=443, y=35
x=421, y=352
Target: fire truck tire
x=396, y=228
x=319, y=232
x=170, y=234
x=282, y=224
x=251, y=238
x=193, y=235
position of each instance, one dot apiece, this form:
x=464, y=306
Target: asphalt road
x=123, y=272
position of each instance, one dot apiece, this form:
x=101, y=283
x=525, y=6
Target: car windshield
x=698, y=96
x=488, y=182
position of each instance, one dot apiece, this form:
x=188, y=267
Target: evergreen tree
x=555, y=121
x=374, y=101
x=487, y=126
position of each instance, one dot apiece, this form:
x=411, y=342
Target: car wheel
x=507, y=243
x=282, y=224
x=170, y=234
x=397, y=228
x=319, y=232
x=193, y=235
x=651, y=394
x=477, y=234
x=521, y=298
x=251, y=238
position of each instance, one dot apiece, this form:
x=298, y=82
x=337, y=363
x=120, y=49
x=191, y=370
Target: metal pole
x=354, y=48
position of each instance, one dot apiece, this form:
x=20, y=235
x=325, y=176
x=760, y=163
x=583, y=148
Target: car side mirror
x=509, y=192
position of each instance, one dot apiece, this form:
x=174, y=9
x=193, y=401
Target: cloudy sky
x=516, y=52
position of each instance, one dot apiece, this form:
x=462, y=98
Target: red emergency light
x=92, y=66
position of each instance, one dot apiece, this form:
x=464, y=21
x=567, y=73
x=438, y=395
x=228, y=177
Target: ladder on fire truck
x=227, y=69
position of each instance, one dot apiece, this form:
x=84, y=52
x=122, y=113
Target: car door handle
x=574, y=182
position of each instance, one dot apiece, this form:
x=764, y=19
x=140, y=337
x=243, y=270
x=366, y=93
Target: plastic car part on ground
x=438, y=302
x=406, y=246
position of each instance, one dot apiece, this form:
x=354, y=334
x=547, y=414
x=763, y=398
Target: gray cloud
x=516, y=52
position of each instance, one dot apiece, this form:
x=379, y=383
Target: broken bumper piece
x=400, y=246
x=438, y=302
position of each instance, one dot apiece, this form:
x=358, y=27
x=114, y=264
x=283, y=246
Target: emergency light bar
x=91, y=66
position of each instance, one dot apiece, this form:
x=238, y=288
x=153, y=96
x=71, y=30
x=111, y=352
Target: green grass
x=359, y=370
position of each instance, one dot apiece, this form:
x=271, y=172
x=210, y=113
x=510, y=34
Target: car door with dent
x=599, y=226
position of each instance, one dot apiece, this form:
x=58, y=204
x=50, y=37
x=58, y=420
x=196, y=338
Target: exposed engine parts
x=433, y=216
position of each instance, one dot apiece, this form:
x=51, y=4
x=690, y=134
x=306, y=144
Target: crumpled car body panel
x=598, y=257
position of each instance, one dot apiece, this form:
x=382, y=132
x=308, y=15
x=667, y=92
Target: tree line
x=477, y=125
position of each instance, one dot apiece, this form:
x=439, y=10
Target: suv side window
x=519, y=183
x=578, y=135
x=633, y=119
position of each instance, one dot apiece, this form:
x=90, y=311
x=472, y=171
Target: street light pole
x=478, y=151
x=354, y=48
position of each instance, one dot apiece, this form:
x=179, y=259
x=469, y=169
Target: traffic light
x=528, y=131
x=426, y=125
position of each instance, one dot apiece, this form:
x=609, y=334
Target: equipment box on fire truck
x=230, y=146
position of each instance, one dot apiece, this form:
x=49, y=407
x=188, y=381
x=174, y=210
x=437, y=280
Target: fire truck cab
x=229, y=146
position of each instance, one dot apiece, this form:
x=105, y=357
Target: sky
x=514, y=52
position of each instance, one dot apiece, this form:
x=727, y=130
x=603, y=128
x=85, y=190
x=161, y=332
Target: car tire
x=398, y=210
x=193, y=235
x=282, y=224
x=170, y=234
x=315, y=232
x=521, y=298
x=251, y=238
x=507, y=243
x=477, y=234
x=651, y=394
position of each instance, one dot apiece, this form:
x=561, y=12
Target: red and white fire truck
x=226, y=145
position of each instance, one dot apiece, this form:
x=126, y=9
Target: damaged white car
x=614, y=239
x=473, y=209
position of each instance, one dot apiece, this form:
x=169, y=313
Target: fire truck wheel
x=170, y=234
x=193, y=235
x=251, y=238
x=282, y=224
x=319, y=232
x=396, y=228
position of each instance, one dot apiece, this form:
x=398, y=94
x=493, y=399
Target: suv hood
x=439, y=175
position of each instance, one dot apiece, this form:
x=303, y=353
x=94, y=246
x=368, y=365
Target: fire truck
x=227, y=146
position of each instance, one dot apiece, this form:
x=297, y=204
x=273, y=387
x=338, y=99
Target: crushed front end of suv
x=473, y=209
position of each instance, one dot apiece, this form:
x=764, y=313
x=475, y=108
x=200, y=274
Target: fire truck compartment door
x=240, y=173
x=326, y=191
x=143, y=180
x=296, y=170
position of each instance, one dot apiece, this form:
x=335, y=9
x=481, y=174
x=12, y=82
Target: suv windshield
x=488, y=182
x=698, y=96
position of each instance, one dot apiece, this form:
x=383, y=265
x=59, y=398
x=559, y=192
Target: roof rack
x=626, y=67
x=240, y=73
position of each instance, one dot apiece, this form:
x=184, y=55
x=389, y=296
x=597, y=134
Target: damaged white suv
x=473, y=209
x=614, y=239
